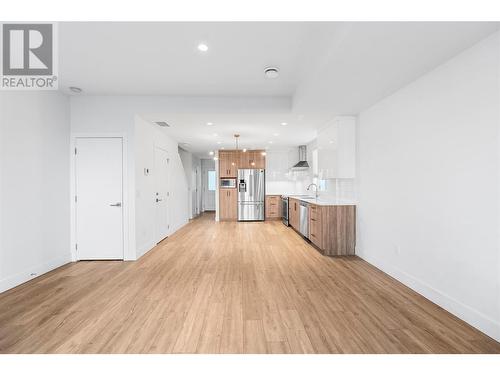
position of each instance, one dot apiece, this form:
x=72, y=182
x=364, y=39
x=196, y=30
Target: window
x=211, y=180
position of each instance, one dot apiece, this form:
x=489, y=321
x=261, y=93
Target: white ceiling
x=163, y=59
x=326, y=69
x=257, y=131
x=362, y=62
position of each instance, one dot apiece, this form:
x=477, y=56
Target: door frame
x=126, y=230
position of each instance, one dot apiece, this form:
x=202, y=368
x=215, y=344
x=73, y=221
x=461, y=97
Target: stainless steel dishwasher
x=304, y=219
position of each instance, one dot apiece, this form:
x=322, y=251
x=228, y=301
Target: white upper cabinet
x=337, y=149
x=277, y=165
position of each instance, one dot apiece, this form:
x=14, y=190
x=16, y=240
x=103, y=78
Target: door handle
x=119, y=204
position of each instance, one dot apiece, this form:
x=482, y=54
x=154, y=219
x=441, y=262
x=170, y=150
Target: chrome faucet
x=316, y=193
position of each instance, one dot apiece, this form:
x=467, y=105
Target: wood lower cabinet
x=294, y=213
x=228, y=204
x=315, y=225
x=273, y=207
x=332, y=229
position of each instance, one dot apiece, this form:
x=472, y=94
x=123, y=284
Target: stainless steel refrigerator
x=251, y=194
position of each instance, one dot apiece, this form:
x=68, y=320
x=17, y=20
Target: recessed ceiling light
x=215, y=134
x=284, y=123
x=271, y=72
x=219, y=142
x=270, y=141
x=75, y=89
x=331, y=141
x=216, y=158
x=202, y=47
x=263, y=153
x=275, y=134
x=210, y=123
x=211, y=153
x=222, y=148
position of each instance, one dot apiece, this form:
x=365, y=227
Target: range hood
x=302, y=164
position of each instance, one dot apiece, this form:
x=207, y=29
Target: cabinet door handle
x=313, y=219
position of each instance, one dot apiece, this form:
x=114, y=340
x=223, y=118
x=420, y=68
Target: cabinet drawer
x=315, y=235
x=273, y=206
x=314, y=212
x=315, y=239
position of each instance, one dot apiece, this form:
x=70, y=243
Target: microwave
x=228, y=183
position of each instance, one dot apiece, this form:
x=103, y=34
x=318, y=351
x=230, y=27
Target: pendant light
x=236, y=139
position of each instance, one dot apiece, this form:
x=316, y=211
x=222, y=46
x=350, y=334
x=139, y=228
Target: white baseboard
x=145, y=248
x=33, y=272
x=468, y=314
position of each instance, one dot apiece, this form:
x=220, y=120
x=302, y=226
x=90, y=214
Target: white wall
x=192, y=164
x=34, y=185
x=187, y=163
x=428, y=186
x=196, y=190
x=146, y=137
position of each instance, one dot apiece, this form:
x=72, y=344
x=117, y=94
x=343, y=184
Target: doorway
x=99, y=198
x=209, y=184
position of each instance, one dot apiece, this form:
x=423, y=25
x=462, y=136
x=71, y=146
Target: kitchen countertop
x=324, y=201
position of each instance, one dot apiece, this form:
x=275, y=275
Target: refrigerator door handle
x=250, y=182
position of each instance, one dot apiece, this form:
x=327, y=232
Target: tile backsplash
x=340, y=188
x=281, y=180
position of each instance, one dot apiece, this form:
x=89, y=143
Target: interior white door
x=99, y=198
x=162, y=194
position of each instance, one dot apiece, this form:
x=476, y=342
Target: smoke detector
x=271, y=72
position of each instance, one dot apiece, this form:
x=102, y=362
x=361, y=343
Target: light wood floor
x=228, y=288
